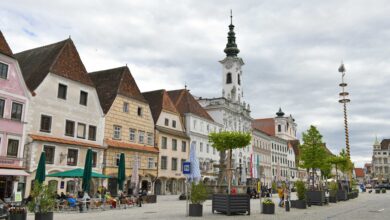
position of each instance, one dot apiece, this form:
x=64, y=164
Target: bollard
x=287, y=205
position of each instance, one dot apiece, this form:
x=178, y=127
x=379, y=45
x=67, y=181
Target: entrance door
x=157, y=187
x=112, y=186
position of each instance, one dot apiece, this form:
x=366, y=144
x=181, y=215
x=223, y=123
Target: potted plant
x=377, y=190
x=383, y=190
x=268, y=207
x=333, y=188
x=17, y=213
x=301, y=194
x=198, y=196
x=43, y=201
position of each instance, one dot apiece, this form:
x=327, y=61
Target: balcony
x=12, y=162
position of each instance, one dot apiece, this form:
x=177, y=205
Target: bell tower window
x=229, y=78
x=239, y=79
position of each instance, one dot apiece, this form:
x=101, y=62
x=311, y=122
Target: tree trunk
x=222, y=167
x=230, y=170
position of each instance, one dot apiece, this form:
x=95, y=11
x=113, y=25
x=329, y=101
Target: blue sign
x=186, y=168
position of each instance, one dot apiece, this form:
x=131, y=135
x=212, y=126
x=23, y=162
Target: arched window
x=279, y=128
x=239, y=79
x=228, y=78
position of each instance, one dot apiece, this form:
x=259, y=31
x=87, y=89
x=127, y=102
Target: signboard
x=18, y=196
x=186, y=168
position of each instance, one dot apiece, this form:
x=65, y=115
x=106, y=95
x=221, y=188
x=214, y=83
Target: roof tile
x=138, y=147
x=4, y=47
x=63, y=141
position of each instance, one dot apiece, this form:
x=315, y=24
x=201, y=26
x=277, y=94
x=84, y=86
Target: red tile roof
x=63, y=141
x=159, y=100
x=137, y=147
x=4, y=47
x=109, y=83
x=186, y=103
x=359, y=172
x=266, y=125
x=60, y=58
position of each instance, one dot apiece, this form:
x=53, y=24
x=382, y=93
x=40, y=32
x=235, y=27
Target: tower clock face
x=228, y=64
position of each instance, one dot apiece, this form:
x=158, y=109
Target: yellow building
x=129, y=128
x=172, y=141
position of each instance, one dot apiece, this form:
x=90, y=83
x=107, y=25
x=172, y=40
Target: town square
x=194, y=110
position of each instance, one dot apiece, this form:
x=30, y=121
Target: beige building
x=172, y=141
x=129, y=128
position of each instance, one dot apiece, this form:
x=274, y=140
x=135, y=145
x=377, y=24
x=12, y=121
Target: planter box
x=377, y=191
x=383, y=190
x=332, y=199
x=44, y=216
x=299, y=204
x=196, y=210
x=268, y=208
x=231, y=204
x=21, y=216
x=342, y=195
x=315, y=197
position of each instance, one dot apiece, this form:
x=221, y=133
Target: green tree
x=313, y=153
x=227, y=141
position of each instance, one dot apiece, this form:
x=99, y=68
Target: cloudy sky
x=291, y=50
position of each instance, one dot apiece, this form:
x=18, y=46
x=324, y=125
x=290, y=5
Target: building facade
x=128, y=129
x=261, y=157
x=198, y=125
x=380, y=160
x=14, y=98
x=172, y=141
x=65, y=117
x=230, y=110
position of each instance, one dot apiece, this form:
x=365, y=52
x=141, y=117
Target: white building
x=199, y=124
x=65, y=117
x=261, y=157
x=230, y=110
x=381, y=160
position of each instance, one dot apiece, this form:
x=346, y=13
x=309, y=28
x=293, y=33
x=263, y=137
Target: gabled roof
x=109, y=83
x=266, y=125
x=60, y=58
x=359, y=172
x=4, y=47
x=385, y=144
x=186, y=103
x=159, y=100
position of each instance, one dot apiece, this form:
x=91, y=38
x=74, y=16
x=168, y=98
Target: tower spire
x=231, y=49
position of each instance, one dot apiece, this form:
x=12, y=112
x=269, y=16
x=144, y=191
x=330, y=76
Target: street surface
x=366, y=206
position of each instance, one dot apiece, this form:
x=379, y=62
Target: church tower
x=231, y=68
x=377, y=145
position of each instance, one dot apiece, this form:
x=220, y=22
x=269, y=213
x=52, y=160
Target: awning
x=76, y=173
x=13, y=172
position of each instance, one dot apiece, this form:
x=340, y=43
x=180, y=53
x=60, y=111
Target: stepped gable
x=159, y=100
x=186, y=103
x=266, y=125
x=4, y=47
x=111, y=82
x=60, y=58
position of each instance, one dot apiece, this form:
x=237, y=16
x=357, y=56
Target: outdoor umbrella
x=195, y=171
x=121, y=171
x=76, y=173
x=134, y=175
x=87, y=175
x=41, y=170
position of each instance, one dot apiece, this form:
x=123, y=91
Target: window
x=132, y=134
x=117, y=132
x=70, y=186
x=16, y=113
x=92, y=133
x=163, y=162
x=2, y=105
x=72, y=157
x=49, y=153
x=238, y=79
x=94, y=158
x=174, y=163
x=139, y=111
x=81, y=130
x=174, y=123
x=166, y=123
x=213, y=150
x=62, y=91
x=174, y=144
x=181, y=165
x=150, y=163
x=279, y=128
x=163, y=143
x=141, y=136
x=150, y=138
x=194, y=124
x=183, y=146
x=117, y=159
x=207, y=148
x=45, y=123
x=12, y=150
x=125, y=107
x=201, y=147
x=69, y=128
x=83, y=98
x=3, y=70
x=228, y=78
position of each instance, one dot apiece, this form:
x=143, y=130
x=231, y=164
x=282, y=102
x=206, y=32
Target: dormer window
x=229, y=78
x=3, y=70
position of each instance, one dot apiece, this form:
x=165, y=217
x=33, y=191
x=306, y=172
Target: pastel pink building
x=14, y=98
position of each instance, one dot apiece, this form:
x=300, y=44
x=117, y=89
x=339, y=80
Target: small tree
x=313, y=153
x=301, y=190
x=229, y=140
x=43, y=198
x=198, y=193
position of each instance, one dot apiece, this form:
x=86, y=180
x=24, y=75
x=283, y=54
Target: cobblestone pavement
x=366, y=206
